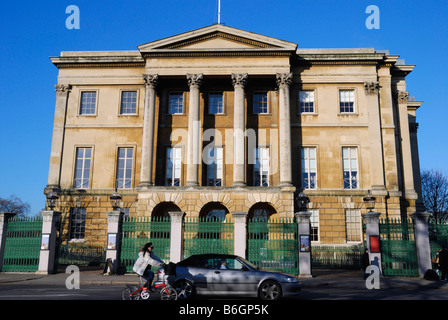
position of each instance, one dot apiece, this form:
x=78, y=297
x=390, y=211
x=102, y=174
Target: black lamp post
x=52, y=197
x=302, y=201
x=369, y=200
x=115, y=200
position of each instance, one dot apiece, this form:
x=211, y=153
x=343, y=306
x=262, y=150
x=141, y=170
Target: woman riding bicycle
x=146, y=259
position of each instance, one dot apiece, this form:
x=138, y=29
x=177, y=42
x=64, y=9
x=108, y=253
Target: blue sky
x=32, y=31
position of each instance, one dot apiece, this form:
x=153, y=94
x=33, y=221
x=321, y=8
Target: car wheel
x=184, y=288
x=270, y=290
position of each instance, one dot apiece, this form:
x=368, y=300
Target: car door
x=232, y=278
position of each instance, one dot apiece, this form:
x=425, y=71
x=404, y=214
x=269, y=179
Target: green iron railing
x=398, y=247
x=272, y=244
x=80, y=254
x=328, y=256
x=208, y=235
x=22, y=244
x=137, y=231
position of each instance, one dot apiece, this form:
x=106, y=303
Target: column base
x=144, y=185
x=239, y=184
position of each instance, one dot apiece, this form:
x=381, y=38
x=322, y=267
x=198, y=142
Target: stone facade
x=380, y=128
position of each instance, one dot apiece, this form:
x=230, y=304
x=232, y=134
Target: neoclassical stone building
x=220, y=120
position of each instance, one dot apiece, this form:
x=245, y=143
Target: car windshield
x=250, y=264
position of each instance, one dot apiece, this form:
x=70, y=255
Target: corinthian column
x=284, y=80
x=239, y=126
x=148, y=130
x=62, y=92
x=194, y=127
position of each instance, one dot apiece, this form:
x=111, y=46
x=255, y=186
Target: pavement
x=342, y=279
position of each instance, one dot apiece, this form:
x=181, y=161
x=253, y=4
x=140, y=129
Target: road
x=113, y=292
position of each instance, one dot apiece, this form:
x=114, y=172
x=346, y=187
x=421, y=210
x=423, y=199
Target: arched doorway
x=214, y=211
x=161, y=211
x=271, y=240
x=262, y=211
x=210, y=232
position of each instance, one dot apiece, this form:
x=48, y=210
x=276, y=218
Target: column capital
x=371, y=88
x=284, y=79
x=303, y=216
x=420, y=217
x=176, y=216
x=240, y=216
x=402, y=96
x=239, y=79
x=194, y=79
x=151, y=80
x=62, y=88
x=371, y=217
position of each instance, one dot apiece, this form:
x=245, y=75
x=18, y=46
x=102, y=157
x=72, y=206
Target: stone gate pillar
x=176, y=236
x=47, y=257
x=422, y=241
x=372, y=221
x=303, y=235
x=114, y=231
x=239, y=247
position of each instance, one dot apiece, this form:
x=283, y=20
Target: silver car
x=221, y=274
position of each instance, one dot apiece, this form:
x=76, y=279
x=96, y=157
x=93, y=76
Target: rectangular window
x=77, y=223
x=173, y=166
x=175, y=103
x=128, y=102
x=309, y=176
x=314, y=219
x=347, y=101
x=261, y=167
x=260, y=104
x=306, y=101
x=82, y=168
x=350, y=167
x=88, y=103
x=215, y=103
x=215, y=167
x=353, y=224
x=124, y=168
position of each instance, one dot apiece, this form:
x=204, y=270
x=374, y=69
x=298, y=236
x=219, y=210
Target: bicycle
x=140, y=292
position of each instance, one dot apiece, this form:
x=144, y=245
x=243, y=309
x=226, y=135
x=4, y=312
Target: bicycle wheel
x=131, y=293
x=168, y=293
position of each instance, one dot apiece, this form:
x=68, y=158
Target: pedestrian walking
x=443, y=262
x=365, y=262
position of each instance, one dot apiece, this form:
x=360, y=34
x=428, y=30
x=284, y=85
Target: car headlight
x=291, y=279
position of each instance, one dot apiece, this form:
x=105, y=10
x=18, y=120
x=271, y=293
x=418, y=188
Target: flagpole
x=219, y=11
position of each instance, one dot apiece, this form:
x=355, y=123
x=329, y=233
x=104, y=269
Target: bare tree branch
x=15, y=205
x=435, y=193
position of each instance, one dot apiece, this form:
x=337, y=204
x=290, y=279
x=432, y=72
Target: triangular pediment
x=217, y=37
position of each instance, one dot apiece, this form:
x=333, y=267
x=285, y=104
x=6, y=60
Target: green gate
x=137, y=231
x=272, y=244
x=22, y=244
x=207, y=235
x=398, y=248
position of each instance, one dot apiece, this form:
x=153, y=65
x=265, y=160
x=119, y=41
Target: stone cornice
x=218, y=35
x=214, y=53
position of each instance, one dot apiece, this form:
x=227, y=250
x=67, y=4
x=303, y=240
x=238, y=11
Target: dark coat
x=443, y=259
